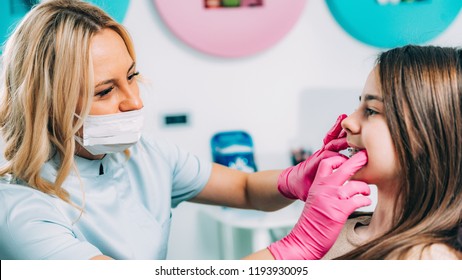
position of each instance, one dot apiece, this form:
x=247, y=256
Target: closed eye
x=104, y=92
x=130, y=77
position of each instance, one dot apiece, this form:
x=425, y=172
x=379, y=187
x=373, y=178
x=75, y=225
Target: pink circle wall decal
x=230, y=28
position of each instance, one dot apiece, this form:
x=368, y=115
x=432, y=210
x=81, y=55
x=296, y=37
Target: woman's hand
x=295, y=182
x=329, y=204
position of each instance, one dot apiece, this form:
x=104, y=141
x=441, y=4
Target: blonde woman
x=80, y=182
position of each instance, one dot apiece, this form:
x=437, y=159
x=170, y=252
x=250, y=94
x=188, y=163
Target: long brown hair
x=47, y=71
x=422, y=95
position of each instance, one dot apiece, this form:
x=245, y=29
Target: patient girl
x=410, y=123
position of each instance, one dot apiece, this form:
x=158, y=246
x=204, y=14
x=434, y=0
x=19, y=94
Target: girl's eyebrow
x=369, y=97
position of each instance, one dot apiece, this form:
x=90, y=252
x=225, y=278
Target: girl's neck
x=381, y=220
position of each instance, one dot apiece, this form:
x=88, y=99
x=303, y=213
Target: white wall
x=260, y=94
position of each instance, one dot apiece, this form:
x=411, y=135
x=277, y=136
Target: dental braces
x=351, y=152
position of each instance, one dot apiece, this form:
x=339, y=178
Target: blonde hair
x=47, y=71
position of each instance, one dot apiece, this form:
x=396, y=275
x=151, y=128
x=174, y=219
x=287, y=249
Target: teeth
x=351, y=152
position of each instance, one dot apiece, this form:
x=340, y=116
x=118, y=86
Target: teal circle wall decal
x=116, y=8
x=12, y=11
x=392, y=23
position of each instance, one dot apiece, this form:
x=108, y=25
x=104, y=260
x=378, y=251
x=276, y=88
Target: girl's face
x=367, y=129
x=116, y=88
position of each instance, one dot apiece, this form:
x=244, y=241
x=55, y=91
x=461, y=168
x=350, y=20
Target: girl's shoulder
x=437, y=251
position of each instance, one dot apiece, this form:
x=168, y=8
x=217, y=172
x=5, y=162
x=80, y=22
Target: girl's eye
x=370, y=112
x=130, y=77
x=104, y=92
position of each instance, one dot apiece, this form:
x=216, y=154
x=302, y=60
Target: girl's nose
x=350, y=125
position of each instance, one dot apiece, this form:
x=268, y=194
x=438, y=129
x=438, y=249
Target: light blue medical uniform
x=127, y=210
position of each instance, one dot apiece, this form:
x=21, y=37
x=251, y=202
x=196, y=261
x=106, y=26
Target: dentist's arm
x=101, y=257
x=233, y=188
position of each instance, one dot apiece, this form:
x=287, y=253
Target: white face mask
x=113, y=133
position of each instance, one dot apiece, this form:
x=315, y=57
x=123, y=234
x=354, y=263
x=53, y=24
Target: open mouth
x=349, y=152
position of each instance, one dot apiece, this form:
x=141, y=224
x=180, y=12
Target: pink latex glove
x=295, y=182
x=329, y=204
